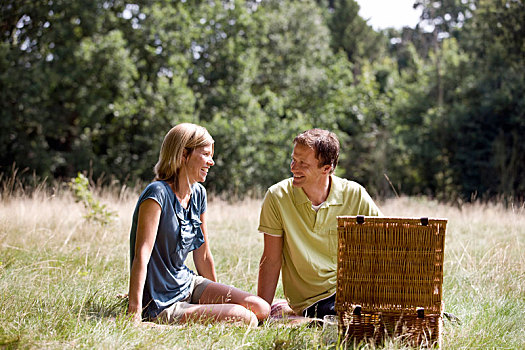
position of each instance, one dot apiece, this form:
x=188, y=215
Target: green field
x=60, y=275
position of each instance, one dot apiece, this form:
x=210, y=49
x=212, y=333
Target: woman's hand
x=134, y=316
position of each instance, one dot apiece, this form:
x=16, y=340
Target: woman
x=170, y=221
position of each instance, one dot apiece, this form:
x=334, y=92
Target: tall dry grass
x=59, y=275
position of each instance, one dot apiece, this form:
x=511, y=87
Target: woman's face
x=199, y=162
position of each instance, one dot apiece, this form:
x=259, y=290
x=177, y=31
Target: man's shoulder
x=346, y=185
x=282, y=187
x=355, y=194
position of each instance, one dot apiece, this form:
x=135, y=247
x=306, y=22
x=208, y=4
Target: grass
x=60, y=274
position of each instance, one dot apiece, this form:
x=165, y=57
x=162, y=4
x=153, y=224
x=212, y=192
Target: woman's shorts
x=174, y=312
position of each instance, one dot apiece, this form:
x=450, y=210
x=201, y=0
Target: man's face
x=305, y=167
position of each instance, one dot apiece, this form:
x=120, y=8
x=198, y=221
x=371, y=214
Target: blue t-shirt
x=168, y=279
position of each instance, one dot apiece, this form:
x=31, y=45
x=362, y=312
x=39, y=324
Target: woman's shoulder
x=199, y=196
x=156, y=186
x=199, y=189
x=159, y=190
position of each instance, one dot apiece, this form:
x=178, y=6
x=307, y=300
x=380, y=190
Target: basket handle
x=357, y=310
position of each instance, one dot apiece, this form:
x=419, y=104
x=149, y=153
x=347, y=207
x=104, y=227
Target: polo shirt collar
x=299, y=197
x=335, y=197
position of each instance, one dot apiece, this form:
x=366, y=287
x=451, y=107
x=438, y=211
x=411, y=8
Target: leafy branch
x=96, y=211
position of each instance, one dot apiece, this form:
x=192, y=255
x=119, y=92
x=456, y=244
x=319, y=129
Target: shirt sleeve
x=154, y=191
x=270, y=220
x=204, y=200
x=367, y=206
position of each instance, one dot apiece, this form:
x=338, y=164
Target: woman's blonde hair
x=185, y=136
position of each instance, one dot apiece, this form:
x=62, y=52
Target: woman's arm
x=147, y=225
x=202, y=256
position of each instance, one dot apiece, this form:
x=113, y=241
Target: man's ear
x=327, y=169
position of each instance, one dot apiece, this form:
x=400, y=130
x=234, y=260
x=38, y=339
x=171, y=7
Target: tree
x=39, y=43
x=260, y=75
x=84, y=90
x=490, y=159
x=444, y=18
x=352, y=34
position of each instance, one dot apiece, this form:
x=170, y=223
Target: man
x=299, y=222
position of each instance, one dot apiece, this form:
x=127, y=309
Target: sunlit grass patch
x=60, y=276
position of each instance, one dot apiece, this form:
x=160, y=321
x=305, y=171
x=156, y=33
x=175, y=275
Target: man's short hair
x=324, y=143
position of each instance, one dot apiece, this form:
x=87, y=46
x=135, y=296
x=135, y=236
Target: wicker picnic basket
x=389, y=279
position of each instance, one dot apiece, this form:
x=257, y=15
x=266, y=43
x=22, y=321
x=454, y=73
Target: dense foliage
x=95, y=85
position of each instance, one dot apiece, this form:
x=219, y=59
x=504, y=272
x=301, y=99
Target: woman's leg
x=218, y=293
x=182, y=311
x=218, y=312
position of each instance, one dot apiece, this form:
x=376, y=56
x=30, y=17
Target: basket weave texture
x=390, y=278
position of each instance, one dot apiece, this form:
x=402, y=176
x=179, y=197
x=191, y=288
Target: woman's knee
x=253, y=320
x=241, y=313
x=220, y=293
x=259, y=307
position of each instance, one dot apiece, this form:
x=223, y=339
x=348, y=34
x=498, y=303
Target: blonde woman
x=169, y=222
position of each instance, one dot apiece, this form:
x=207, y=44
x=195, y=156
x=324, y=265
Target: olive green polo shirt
x=309, y=265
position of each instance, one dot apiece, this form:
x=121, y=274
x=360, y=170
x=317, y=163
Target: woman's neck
x=183, y=191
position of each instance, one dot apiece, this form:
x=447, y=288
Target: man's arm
x=270, y=267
